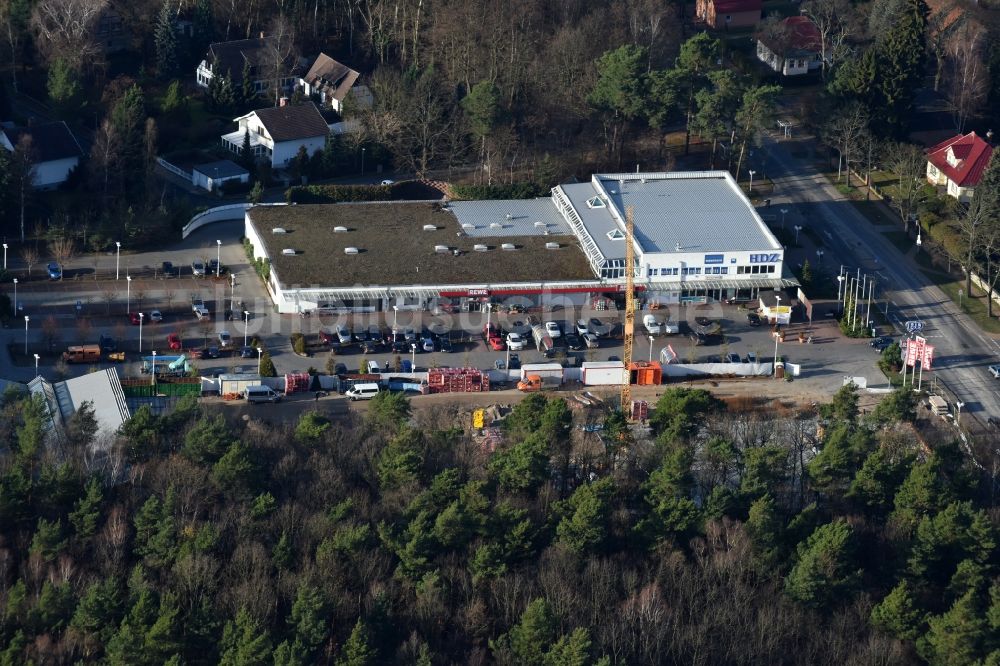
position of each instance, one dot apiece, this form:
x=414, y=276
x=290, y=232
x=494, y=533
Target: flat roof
x=515, y=217
x=699, y=211
x=395, y=250
x=221, y=169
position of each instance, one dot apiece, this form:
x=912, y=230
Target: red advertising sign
x=928, y=357
x=914, y=350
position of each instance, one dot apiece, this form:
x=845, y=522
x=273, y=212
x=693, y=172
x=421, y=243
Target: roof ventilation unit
x=350, y=250
x=340, y=230
x=540, y=224
x=430, y=227
x=278, y=230
x=289, y=252
x=480, y=248
x=552, y=246
x=508, y=246
x=441, y=249
x=509, y=216
x=467, y=226
x=496, y=225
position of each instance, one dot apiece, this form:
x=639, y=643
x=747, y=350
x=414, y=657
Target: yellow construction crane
x=629, y=312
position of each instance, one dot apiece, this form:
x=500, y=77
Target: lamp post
x=413, y=357
x=651, y=349
x=141, y=317
x=958, y=418
x=395, y=315
x=15, y=296
x=840, y=284
x=218, y=257
x=36, y=364
x=776, y=336
x=246, y=325
x=798, y=228
x=750, y=191
x=362, y=160
x=232, y=290
x=919, y=239
x=128, y=294
x=26, y=335
x=784, y=211
x=819, y=257
x=152, y=374
x=118, y=256
x=5, y=256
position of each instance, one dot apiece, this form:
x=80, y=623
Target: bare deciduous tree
x=65, y=29
x=835, y=20
x=29, y=255
x=62, y=249
x=966, y=72
x=22, y=164
x=845, y=131
x=908, y=163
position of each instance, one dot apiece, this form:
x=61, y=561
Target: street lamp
x=118, y=256
x=958, y=418
x=752, y=172
x=919, y=240
x=232, y=290
x=776, y=335
x=246, y=325
x=362, y=161
x=260, y=355
x=218, y=257
x=5, y=256
x=36, y=364
x=798, y=228
x=128, y=294
x=784, y=211
x=651, y=349
x=413, y=357
x=840, y=284
x=819, y=257
x=15, y=296
x=395, y=314
x=141, y=317
x=25, y=335
x=152, y=373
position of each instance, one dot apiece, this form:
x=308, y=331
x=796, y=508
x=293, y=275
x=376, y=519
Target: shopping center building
x=697, y=239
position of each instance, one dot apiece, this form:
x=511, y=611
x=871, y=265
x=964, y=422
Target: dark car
x=108, y=344
x=369, y=347
x=214, y=265
x=993, y=422
x=444, y=343
x=340, y=369
x=247, y=352
x=168, y=269
x=211, y=352
x=880, y=343
x=753, y=319
x=400, y=346
x=515, y=362
x=361, y=334
x=572, y=341
x=328, y=338
x=702, y=321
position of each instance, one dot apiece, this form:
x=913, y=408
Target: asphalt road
x=962, y=351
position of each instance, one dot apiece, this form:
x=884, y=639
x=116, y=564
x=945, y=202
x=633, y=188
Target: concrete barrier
x=718, y=369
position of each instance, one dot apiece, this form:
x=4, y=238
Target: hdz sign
x=764, y=258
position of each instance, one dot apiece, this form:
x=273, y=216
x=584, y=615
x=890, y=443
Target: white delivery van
x=365, y=391
x=261, y=393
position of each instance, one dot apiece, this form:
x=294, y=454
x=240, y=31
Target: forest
x=723, y=534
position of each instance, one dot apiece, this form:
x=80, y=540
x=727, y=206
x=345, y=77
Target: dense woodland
x=721, y=536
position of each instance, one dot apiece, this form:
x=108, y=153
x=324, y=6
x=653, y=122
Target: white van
x=362, y=391
x=261, y=393
x=373, y=368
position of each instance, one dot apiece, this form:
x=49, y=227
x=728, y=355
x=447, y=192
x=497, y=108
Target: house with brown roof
x=53, y=149
x=958, y=164
x=726, y=14
x=793, y=48
x=277, y=133
x=230, y=58
x=330, y=83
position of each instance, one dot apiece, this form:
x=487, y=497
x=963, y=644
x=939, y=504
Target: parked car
x=400, y=346
x=753, y=319
x=211, y=352
x=340, y=369
x=553, y=329
x=515, y=362
x=174, y=342
x=155, y=316
x=225, y=340
x=652, y=324
x=409, y=334
x=732, y=357
x=751, y=357
x=881, y=343
x=215, y=267
x=328, y=338
x=134, y=318
x=427, y=343
x=995, y=371
x=445, y=343
x=573, y=342
x=599, y=328
x=198, y=267
x=343, y=334
x=109, y=345
x=581, y=327
x=55, y=271
x=247, y=352
x=167, y=269
x=369, y=347
x=515, y=342
x=360, y=334
x=591, y=341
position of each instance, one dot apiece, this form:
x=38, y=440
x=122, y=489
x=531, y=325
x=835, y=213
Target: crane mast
x=626, y=396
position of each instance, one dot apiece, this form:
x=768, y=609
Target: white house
x=230, y=58
x=55, y=152
x=277, y=133
x=792, y=50
x=214, y=175
x=331, y=83
x=958, y=164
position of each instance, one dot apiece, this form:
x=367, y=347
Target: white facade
x=278, y=153
x=198, y=179
x=794, y=66
x=936, y=177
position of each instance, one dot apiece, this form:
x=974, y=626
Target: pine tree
x=167, y=47
x=247, y=160
x=87, y=510
x=584, y=526
x=897, y=613
x=358, y=650
x=825, y=570
x=63, y=87
x=901, y=60
x=248, y=92
x=203, y=28
x=308, y=618
x=267, y=366
x=245, y=642
x=571, y=649
x=958, y=636
x=529, y=640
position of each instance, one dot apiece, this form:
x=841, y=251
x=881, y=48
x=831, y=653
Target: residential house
x=214, y=175
x=793, y=49
x=277, y=133
x=726, y=14
x=958, y=164
x=55, y=151
x=258, y=53
x=331, y=83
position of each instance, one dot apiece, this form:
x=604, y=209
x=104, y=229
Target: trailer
x=550, y=373
x=602, y=373
x=543, y=341
x=237, y=384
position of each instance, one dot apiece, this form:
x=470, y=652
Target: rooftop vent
x=508, y=246
x=289, y=252
x=552, y=246
x=496, y=225
x=540, y=224
x=441, y=249
x=480, y=248
x=430, y=227
x=468, y=227
x=350, y=250
x=340, y=230
x=278, y=230
x=509, y=216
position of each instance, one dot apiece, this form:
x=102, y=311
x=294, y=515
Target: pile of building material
x=297, y=382
x=457, y=380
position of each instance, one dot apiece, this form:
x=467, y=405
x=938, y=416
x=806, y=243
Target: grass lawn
x=975, y=306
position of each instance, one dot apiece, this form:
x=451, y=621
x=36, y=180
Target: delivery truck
x=82, y=354
x=551, y=374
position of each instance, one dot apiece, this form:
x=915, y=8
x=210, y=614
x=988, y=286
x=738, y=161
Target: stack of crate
x=297, y=382
x=457, y=380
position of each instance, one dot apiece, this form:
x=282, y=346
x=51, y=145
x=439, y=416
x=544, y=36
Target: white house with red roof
x=958, y=164
x=793, y=49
